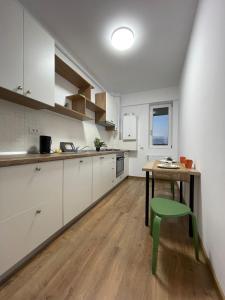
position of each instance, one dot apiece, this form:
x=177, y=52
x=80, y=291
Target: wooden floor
x=107, y=254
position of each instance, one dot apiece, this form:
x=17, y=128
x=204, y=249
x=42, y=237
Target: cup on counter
x=182, y=159
x=188, y=163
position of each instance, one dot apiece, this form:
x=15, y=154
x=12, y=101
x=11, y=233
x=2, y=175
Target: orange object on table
x=188, y=163
x=182, y=159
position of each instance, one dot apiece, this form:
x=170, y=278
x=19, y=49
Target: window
x=160, y=126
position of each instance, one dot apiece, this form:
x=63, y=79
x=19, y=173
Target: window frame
x=151, y=108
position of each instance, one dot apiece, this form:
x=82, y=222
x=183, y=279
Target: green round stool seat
x=162, y=208
x=167, y=208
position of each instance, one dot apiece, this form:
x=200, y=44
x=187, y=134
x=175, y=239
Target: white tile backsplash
x=17, y=124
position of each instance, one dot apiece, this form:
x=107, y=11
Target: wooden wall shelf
x=20, y=99
x=80, y=103
x=16, y=98
x=70, y=113
x=69, y=74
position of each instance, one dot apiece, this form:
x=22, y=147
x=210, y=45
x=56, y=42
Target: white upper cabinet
x=39, y=62
x=11, y=45
x=27, y=54
x=107, y=102
x=129, y=127
x=109, y=109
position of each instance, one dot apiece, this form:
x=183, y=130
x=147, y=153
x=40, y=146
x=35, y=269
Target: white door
x=11, y=45
x=39, y=62
x=77, y=190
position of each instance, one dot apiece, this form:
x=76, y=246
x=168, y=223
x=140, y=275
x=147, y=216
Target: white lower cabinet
x=30, y=208
x=36, y=200
x=77, y=187
x=126, y=164
x=104, y=174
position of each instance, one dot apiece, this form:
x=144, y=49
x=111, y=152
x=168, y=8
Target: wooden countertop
x=152, y=166
x=23, y=159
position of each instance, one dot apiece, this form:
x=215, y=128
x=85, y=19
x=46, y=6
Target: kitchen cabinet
x=11, y=46
x=27, y=54
x=30, y=208
x=104, y=175
x=126, y=164
x=116, y=112
x=109, y=108
x=129, y=127
x=77, y=187
x=39, y=62
x=106, y=102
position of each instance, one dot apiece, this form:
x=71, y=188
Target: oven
x=119, y=164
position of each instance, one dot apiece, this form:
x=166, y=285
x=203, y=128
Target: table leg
x=181, y=191
x=147, y=200
x=192, y=182
x=153, y=186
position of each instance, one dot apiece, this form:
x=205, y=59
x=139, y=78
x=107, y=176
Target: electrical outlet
x=33, y=131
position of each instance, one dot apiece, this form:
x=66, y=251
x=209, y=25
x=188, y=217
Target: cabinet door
x=109, y=108
x=11, y=45
x=116, y=112
x=23, y=187
x=109, y=171
x=99, y=180
x=126, y=165
x=77, y=191
x=22, y=233
x=39, y=62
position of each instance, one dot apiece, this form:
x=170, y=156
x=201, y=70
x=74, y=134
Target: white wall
x=17, y=122
x=202, y=120
x=151, y=96
x=138, y=103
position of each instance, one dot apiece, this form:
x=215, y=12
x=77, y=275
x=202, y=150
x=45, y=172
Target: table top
x=151, y=166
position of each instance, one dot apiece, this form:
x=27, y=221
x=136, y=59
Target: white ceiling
x=162, y=30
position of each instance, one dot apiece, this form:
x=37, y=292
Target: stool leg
x=155, y=245
x=195, y=235
x=173, y=189
x=152, y=219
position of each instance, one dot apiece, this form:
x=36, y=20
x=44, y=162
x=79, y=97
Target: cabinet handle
x=38, y=211
x=128, y=134
x=19, y=88
x=38, y=169
x=28, y=92
x=101, y=157
x=81, y=161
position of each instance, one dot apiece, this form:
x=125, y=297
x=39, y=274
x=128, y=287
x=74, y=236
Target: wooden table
x=181, y=174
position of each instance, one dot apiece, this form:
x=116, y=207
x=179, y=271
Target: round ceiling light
x=122, y=38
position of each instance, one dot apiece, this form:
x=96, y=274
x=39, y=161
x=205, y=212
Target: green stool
x=165, y=208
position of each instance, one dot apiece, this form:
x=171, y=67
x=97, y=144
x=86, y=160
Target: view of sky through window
x=160, y=126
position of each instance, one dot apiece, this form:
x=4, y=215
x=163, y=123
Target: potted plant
x=98, y=144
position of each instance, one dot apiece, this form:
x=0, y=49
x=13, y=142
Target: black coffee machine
x=45, y=144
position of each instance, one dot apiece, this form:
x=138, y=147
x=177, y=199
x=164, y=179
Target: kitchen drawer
x=22, y=233
x=23, y=187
